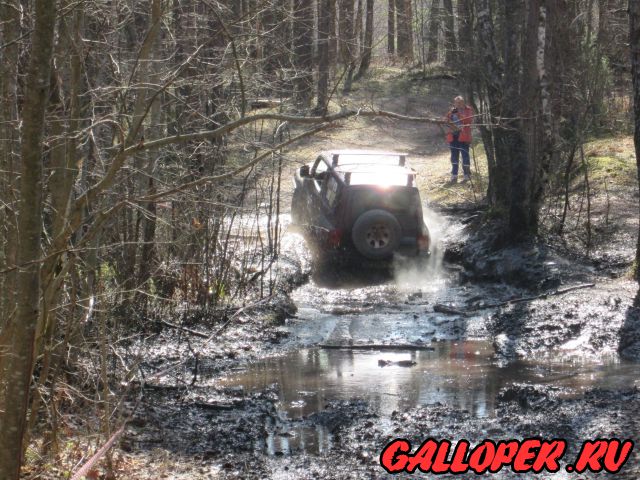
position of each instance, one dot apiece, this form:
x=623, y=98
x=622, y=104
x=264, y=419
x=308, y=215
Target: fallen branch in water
x=440, y=308
x=560, y=291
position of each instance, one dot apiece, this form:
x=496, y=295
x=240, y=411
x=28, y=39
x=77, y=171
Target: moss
x=612, y=166
x=610, y=159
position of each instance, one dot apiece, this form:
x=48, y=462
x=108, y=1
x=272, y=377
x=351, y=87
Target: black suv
x=363, y=201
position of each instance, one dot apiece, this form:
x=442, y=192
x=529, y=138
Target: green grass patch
x=613, y=160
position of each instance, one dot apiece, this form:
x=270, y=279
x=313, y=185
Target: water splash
x=425, y=273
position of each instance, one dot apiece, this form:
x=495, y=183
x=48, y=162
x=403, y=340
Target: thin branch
x=233, y=173
x=293, y=119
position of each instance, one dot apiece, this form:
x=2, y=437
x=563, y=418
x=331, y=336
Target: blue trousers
x=456, y=149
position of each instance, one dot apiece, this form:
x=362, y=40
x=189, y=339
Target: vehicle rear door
x=315, y=197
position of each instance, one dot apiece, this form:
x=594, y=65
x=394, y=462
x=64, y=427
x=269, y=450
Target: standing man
x=459, y=119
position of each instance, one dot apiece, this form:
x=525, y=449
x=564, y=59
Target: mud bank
x=599, y=320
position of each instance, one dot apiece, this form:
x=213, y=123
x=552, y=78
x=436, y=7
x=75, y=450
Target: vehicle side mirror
x=304, y=171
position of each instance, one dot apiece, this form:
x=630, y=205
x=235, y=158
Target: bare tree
x=9, y=161
x=22, y=327
x=466, y=54
x=302, y=49
x=348, y=45
x=432, y=32
x=391, y=27
x=324, y=20
x=634, y=42
x=368, y=40
x=358, y=31
x=492, y=73
x=332, y=32
x=404, y=15
x=450, y=47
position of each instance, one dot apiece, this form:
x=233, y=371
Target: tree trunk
x=345, y=35
x=347, y=42
x=324, y=20
x=499, y=170
x=147, y=257
x=63, y=123
x=451, y=47
x=523, y=216
x=20, y=358
x=302, y=49
x=634, y=42
x=368, y=40
x=432, y=31
x=391, y=28
x=358, y=32
x=404, y=15
x=331, y=31
x=9, y=134
x=510, y=145
x=545, y=137
x=559, y=47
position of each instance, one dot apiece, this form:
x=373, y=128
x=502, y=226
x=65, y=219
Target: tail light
x=334, y=238
x=423, y=242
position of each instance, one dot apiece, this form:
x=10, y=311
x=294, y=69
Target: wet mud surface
x=483, y=343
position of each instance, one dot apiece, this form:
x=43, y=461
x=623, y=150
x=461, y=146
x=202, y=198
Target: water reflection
x=463, y=375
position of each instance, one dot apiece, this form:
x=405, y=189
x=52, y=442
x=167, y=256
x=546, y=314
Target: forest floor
x=485, y=343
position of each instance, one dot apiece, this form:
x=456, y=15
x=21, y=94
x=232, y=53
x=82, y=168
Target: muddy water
x=463, y=375
x=349, y=342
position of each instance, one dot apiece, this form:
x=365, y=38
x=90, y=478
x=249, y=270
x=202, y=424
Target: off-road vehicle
x=361, y=201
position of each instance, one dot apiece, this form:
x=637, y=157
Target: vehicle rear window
x=359, y=159
x=382, y=175
x=395, y=199
x=381, y=178
x=332, y=191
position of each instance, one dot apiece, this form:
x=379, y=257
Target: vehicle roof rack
x=411, y=177
x=402, y=157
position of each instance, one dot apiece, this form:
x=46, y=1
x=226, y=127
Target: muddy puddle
x=464, y=375
x=346, y=345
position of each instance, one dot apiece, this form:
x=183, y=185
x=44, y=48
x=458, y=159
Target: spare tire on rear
x=376, y=234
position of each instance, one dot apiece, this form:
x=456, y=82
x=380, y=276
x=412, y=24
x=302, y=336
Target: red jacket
x=462, y=119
